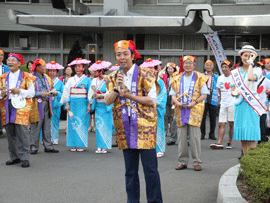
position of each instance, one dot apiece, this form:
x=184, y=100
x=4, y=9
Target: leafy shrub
x=255, y=166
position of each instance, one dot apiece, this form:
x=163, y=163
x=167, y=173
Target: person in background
x=211, y=102
x=136, y=132
x=266, y=71
x=92, y=122
x=29, y=65
x=41, y=111
x=58, y=87
x=16, y=119
x=248, y=109
x=3, y=69
x=263, y=89
x=226, y=102
x=161, y=106
x=103, y=113
x=166, y=75
x=75, y=97
x=189, y=92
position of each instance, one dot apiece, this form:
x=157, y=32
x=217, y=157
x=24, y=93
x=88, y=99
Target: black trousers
x=151, y=174
x=212, y=109
x=264, y=138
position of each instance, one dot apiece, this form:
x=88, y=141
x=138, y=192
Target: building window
x=227, y=41
x=70, y=39
x=265, y=42
x=242, y=40
x=4, y=39
x=18, y=1
x=195, y=42
x=49, y=41
x=167, y=59
x=92, y=1
x=171, y=42
x=170, y=2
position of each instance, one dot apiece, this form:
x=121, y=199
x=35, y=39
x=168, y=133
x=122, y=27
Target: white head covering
x=248, y=48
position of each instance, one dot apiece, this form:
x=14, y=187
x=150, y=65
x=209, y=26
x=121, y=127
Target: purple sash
x=264, y=73
x=185, y=112
x=131, y=122
x=40, y=109
x=13, y=110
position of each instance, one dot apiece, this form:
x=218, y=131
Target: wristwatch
x=115, y=90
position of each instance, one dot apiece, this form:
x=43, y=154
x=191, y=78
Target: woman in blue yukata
x=58, y=87
x=161, y=106
x=103, y=113
x=75, y=96
x=247, y=105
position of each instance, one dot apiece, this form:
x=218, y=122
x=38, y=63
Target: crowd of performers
x=141, y=103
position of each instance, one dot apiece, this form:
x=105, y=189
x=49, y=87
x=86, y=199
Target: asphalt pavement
x=72, y=177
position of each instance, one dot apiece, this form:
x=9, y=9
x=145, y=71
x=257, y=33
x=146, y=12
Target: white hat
x=248, y=48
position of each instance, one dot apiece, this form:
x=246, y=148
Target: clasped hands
x=181, y=105
x=11, y=91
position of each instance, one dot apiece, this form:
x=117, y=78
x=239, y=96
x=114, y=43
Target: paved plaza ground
x=99, y=178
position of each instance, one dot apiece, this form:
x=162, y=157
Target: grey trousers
x=170, y=119
x=45, y=125
x=18, y=140
x=194, y=134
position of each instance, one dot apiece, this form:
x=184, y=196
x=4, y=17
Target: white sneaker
x=80, y=149
x=216, y=146
x=55, y=143
x=160, y=154
x=98, y=151
x=73, y=149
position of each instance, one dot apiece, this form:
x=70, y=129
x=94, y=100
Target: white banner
x=217, y=48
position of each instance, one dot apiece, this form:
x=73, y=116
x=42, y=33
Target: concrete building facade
x=161, y=29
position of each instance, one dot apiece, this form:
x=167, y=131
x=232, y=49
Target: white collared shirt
x=128, y=80
x=13, y=78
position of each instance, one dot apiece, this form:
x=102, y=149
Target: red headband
x=38, y=62
x=127, y=44
x=19, y=57
x=266, y=60
x=183, y=59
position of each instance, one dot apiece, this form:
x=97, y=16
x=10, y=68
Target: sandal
x=98, y=151
x=104, y=151
x=73, y=149
x=80, y=149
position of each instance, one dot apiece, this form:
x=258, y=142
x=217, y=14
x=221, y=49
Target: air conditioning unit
x=24, y=42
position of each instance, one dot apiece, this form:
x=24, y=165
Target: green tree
x=75, y=52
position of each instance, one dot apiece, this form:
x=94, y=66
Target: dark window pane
x=227, y=41
x=242, y=40
x=4, y=39
x=140, y=38
x=265, y=42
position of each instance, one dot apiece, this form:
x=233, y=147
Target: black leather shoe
x=33, y=151
x=212, y=138
x=25, y=163
x=202, y=137
x=170, y=143
x=115, y=144
x=51, y=150
x=12, y=162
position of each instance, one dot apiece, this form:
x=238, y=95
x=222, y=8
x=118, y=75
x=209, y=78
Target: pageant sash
x=247, y=94
x=131, y=122
x=13, y=110
x=185, y=112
